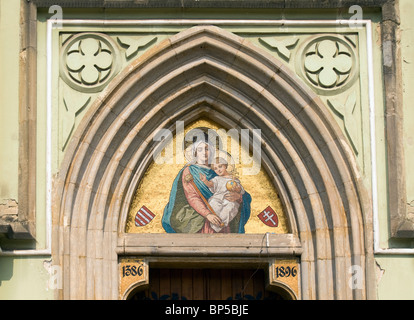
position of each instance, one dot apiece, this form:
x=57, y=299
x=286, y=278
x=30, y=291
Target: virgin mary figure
x=187, y=210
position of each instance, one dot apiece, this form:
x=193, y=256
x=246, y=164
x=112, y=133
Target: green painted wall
x=407, y=51
x=20, y=277
x=24, y=278
x=9, y=98
x=397, y=281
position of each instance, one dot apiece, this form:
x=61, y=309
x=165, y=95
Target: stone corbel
x=133, y=276
x=283, y=277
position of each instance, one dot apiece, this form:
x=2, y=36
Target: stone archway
x=206, y=70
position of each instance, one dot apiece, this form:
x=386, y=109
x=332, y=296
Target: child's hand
x=203, y=177
x=233, y=197
x=237, y=188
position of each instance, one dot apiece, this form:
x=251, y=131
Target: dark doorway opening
x=206, y=284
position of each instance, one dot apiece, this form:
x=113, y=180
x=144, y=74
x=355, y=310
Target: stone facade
x=111, y=86
x=184, y=77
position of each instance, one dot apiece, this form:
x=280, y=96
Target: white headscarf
x=211, y=149
x=198, y=136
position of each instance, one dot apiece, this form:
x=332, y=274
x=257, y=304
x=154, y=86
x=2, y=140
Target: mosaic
x=211, y=191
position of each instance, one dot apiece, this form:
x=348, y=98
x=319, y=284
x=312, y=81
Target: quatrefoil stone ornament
x=89, y=61
x=329, y=64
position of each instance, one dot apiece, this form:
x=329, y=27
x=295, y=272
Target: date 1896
x=285, y=272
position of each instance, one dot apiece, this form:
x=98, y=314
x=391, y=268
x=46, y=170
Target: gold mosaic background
x=154, y=192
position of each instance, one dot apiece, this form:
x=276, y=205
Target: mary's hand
x=212, y=218
x=233, y=197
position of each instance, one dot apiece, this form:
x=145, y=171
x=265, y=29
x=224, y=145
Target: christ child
x=221, y=186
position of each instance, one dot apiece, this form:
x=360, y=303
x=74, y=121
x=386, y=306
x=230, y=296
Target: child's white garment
x=224, y=208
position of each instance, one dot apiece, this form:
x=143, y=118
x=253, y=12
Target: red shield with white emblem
x=269, y=217
x=143, y=217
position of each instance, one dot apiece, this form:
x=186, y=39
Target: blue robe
x=179, y=217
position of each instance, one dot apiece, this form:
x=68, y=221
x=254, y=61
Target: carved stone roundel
x=328, y=63
x=89, y=61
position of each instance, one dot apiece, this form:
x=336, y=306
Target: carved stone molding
x=209, y=3
x=282, y=46
x=328, y=63
x=347, y=110
x=133, y=45
x=89, y=61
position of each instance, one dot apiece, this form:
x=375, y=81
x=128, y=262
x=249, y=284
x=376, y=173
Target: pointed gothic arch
x=206, y=70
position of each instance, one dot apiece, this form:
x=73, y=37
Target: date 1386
x=129, y=270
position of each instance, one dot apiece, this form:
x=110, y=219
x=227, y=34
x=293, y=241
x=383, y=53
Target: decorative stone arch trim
x=206, y=70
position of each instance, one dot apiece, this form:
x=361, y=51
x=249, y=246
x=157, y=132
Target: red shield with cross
x=269, y=217
x=143, y=217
